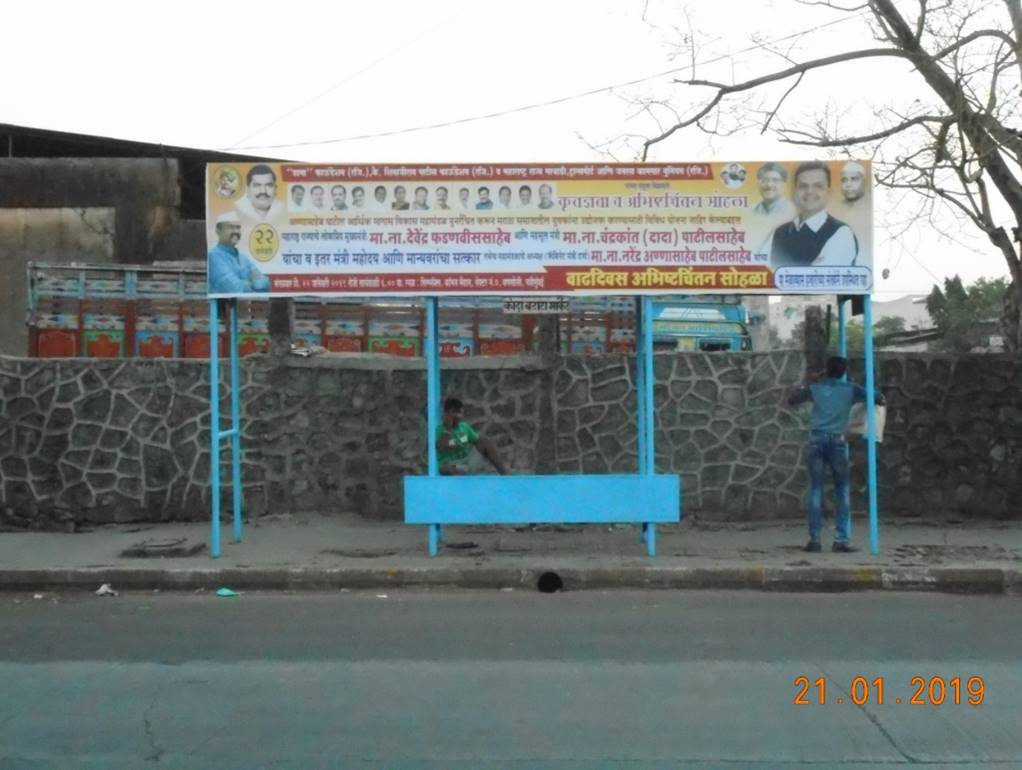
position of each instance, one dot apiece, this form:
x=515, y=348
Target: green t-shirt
x=463, y=435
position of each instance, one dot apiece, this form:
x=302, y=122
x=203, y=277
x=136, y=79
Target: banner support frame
x=216, y=435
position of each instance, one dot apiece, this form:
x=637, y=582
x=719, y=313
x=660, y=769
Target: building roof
x=29, y=142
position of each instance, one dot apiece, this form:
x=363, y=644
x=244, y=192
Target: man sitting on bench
x=454, y=441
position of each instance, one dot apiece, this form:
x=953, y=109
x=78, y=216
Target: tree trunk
x=816, y=333
x=1011, y=318
x=280, y=326
x=545, y=334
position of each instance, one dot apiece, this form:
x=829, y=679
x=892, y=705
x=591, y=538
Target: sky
x=533, y=80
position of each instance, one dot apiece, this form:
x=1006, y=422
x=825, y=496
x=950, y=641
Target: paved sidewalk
x=320, y=552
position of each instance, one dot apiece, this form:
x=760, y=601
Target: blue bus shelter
x=644, y=498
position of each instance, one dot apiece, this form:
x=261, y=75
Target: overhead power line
x=538, y=105
x=346, y=79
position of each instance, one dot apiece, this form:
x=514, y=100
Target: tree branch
x=1015, y=12
x=834, y=6
x=770, y=117
x=725, y=89
x=999, y=66
x=921, y=22
x=884, y=26
x=983, y=132
x=972, y=37
x=865, y=138
x=949, y=198
x=684, y=123
x=813, y=64
x=984, y=200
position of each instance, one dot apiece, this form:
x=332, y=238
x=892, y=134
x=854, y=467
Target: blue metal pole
x=842, y=350
x=871, y=437
x=640, y=381
x=439, y=390
x=640, y=396
x=432, y=354
x=648, y=426
x=235, y=422
x=432, y=382
x=214, y=429
x=842, y=329
x=649, y=416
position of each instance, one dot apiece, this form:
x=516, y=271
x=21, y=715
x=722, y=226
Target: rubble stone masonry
x=128, y=440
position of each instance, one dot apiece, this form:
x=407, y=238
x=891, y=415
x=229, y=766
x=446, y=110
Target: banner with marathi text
x=286, y=229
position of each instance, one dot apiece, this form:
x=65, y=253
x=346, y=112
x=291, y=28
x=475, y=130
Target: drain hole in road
x=549, y=583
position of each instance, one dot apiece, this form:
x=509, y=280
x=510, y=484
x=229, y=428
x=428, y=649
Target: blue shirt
x=231, y=272
x=832, y=402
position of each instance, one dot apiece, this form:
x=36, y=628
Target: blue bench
x=616, y=498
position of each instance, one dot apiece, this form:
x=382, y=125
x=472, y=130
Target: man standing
x=854, y=207
x=853, y=182
x=484, y=203
x=832, y=400
x=317, y=194
x=400, y=204
x=772, y=179
x=546, y=196
x=420, y=204
x=230, y=271
x=774, y=207
x=455, y=439
x=260, y=203
x=813, y=237
x=340, y=197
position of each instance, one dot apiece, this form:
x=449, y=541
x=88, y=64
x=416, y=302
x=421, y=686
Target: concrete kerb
x=1013, y=582
x=982, y=580
x=971, y=580
x=823, y=578
x=670, y=577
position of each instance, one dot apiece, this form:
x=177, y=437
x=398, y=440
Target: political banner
x=766, y=227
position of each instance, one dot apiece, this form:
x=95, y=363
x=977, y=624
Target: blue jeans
x=828, y=450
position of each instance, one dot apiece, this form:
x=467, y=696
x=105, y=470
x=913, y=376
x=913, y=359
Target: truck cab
x=708, y=323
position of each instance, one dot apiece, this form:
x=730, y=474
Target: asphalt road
x=466, y=680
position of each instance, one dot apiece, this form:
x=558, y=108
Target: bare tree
x=955, y=147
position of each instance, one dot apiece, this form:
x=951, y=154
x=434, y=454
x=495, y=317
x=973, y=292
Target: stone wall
x=122, y=440
x=721, y=422
x=102, y=440
x=954, y=439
